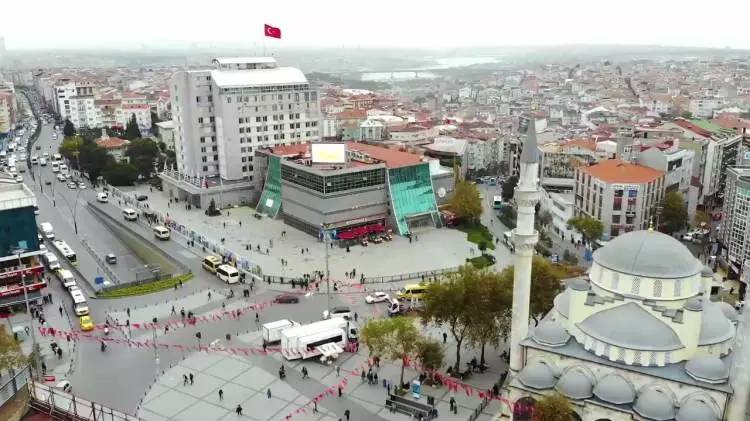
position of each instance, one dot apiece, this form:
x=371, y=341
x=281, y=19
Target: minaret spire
x=525, y=238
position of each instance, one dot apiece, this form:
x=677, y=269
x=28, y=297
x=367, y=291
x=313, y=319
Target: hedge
x=148, y=288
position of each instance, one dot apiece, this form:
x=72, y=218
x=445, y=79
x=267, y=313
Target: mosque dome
x=715, y=327
x=696, y=410
x=550, y=334
x=648, y=254
x=615, y=389
x=654, y=404
x=574, y=384
x=537, y=375
x=707, y=369
x=729, y=311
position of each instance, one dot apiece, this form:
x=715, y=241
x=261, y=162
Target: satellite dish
x=441, y=192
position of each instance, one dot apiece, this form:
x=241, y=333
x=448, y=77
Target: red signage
x=36, y=270
x=49, y=378
x=10, y=290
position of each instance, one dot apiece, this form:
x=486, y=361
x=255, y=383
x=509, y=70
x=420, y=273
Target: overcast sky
x=383, y=23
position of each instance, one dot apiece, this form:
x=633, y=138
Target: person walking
x=191, y=379
x=221, y=395
x=363, y=376
x=341, y=391
x=61, y=311
x=174, y=312
x=238, y=410
x=445, y=337
x=184, y=379
x=356, y=316
x=347, y=414
x=209, y=295
x=268, y=393
x=338, y=370
x=59, y=353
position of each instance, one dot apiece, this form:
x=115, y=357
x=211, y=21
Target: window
x=657, y=288
x=197, y=99
x=240, y=120
x=637, y=357
x=200, y=120
x=635, y=286
x=615, y=219
x=229, y=100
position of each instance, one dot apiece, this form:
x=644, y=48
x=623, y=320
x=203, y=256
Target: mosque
x=636, y=339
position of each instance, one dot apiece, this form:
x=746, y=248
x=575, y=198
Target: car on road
x=86, y=323
x=141, y=197
x=81, y=185
x=110, y=258
x=341, y=311
x=19, y=179
x=377, y=297
x=47, y=182
x=102, y=197
x=43, y=162
x=61, y=177
x=72, y=185
x=39, y=147
x=286, y=299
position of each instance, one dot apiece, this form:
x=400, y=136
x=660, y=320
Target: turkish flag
x=271, y=31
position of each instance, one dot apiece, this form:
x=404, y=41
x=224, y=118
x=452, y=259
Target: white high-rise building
x=75, y=102
x=222, y=115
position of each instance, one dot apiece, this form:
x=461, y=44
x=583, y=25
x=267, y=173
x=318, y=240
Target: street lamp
x=324, y=229
x=74, y=209
x=156, y=347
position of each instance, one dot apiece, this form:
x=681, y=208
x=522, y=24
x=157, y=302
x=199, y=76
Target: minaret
x=525, y=238
x=739, y=376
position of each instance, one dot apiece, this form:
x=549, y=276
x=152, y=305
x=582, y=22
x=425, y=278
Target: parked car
x=377, y=297
x=110, y=258
x=72, y=185
x=141, y=197
x=286, y=299
x=342, y=311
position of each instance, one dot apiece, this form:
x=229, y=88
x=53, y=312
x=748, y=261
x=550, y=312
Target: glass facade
x=18, y=231
x=411, y=194
x=270, y=200
x=333, y=183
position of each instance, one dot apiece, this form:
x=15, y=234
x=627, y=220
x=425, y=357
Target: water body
x=424, y=72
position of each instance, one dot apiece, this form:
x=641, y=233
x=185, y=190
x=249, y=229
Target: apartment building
x=8, y=107
x=735, y=232
x=623, y=196
x=75, y=102
x=223, y=115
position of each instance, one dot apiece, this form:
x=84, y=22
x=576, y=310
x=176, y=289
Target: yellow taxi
x=86, y=323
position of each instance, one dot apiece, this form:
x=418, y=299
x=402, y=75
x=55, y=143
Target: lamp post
x=324, y=229
x=156, y=347
x=74, y=209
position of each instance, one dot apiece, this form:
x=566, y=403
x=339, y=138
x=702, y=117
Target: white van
x=51, y=261
x=161, y=233
x=129, y=214
x=228, y=274
x=47, y=230
x=55, y=167
x=66, y=278
x=80, y=306
x=64, y=169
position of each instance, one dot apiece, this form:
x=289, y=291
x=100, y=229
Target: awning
x=330, y=350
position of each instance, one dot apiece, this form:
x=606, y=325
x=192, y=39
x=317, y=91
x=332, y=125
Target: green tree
x=396, y=338
x=466, y=202
x=120, y=174
x=482, y=246
x=687, y=115
x=451, y=303
x=544, y=218
x=492, y=310
x=701, y=218
x=131, y=129
x=674, y=215
x=591, y=229
x=69, y=129
x=430, y=355
x=508, y=187
x=11, y=356
x=70, y=147
x=545, y=282
x=553, y=407
x=143, y=153
x=94, y=159
x=569, y=258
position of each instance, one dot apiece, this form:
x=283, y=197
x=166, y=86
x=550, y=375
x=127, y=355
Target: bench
x=409, y=407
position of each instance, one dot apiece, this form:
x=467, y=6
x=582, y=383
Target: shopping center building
x=351, y=188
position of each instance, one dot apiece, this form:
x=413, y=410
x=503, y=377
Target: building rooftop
x=258, y=77
x=392, y=158
x=16, y=195
x=243, y=60
x=112, y=142
x=169, y=124
x=617, y=171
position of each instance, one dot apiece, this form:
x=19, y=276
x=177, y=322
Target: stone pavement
x=436, y=248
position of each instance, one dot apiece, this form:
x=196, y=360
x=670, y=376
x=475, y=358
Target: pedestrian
x=445, y=337
x=369, y=377
x=264, y=346
x=388, y=387
x=174, y=312
x=182, y=313
x=238, y=410
x=375, y=378
x=166, y=329
x=221, y=395
x=191, y=379
x=184, y=379
x=315, y=406
x=346, y=414
x=356, y=316
x=209, y=295
x=128, y=311
x=257, y=318
x=341, y=391
x=44, y=368
x=59, y=353
x=363, y=376
x=268, y=393
x=338, y=370
x=61, y=311
x=305, y=375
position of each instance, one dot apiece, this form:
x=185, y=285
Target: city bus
x=66, y=251
x=497, y=202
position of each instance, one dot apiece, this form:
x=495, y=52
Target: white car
x=102, y=197
x=72, y=185
x=19, y=179
x=81, y=185
x=342, y=311
x=377, y=297
x=60, y=177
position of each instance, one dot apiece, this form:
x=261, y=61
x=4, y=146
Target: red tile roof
x=136, y=106
x=692, y=127
x=352, y=114
x=112, y=142
x=391, y=157
x=617, y=171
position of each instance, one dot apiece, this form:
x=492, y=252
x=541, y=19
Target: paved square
x=169, y=403
x=261, y=408
x=204, y=384
x=202, y=410
x=229, y=368
x=255, y=378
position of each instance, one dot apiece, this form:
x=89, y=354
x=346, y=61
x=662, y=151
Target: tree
x=545, y=283
x=569, y=258
x=396, y=338
x=71, y=147
x=544, y=218
x=508, y=187
x=93, y=159
x=11, y=356
x=466, y=202
x=492, y=310
x=674, y=215
x=132, y=131
x=553, y=407
x=686, y=115
x=451, y=303
x=69, y=129
x=591, y=229
x=482, y=246
x=701, y=218
x=143, y=153
x=430, y=355
x=120, y=174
